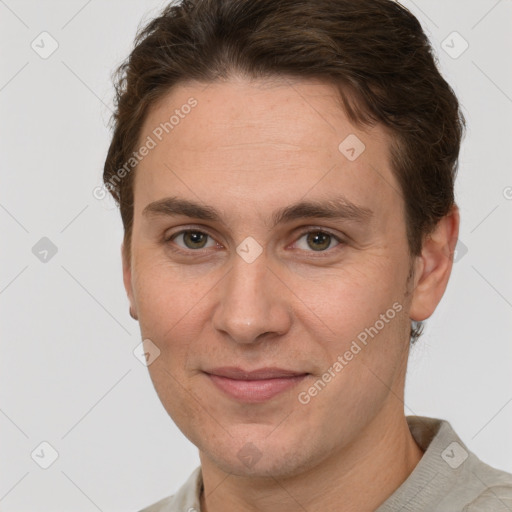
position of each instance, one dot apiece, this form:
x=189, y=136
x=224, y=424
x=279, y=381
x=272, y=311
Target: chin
x=263, y=459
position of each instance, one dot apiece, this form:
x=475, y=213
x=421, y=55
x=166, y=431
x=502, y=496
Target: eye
x=317, y=240
x=192, y=239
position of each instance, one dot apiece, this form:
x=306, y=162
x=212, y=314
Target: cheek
x=351, y=298
x=166, y=295
x=169, y=308
x=174, y=310
x=360, y=322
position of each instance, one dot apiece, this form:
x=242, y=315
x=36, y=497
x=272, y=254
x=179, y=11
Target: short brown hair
x=374, y=51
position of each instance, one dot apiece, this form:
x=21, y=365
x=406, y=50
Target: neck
x=361, y=476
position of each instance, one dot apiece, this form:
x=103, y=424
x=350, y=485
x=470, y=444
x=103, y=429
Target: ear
x=127, y=280
x=434, y=265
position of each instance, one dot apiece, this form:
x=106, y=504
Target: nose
x=252, y=302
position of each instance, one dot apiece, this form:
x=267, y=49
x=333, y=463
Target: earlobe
x=127, y=280
x=435, y=266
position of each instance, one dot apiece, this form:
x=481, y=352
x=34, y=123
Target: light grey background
x=68, y=373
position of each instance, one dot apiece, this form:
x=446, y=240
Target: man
x=285, y=174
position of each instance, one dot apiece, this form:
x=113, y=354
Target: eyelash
x=168, y=239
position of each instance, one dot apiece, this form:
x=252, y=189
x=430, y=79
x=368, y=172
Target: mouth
x=254, y=386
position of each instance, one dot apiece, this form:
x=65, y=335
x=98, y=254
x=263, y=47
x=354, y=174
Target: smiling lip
x=254, y=386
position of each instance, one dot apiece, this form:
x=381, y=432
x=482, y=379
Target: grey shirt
x=448, y=478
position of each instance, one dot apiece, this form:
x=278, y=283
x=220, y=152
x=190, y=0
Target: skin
x=247, y=149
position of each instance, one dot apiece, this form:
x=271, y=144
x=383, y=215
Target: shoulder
x=497, y=498
x=457, y=479
x=495, y=488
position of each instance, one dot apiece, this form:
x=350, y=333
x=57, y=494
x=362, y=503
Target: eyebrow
x=332, y=208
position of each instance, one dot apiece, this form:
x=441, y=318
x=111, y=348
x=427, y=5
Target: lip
x=234, y=372
x=256, y=385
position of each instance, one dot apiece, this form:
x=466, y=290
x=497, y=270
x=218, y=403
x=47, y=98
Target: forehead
x=251, y=112
x=266, y=138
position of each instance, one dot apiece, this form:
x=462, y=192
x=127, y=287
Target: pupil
x=196, y=237
x=319, y=236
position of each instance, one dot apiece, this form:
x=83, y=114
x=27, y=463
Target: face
x=293, y=255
